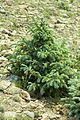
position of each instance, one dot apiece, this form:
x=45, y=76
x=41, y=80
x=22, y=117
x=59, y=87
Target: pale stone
x=3, y=51
x=4, y=84
x=13, y=90
x=1, y=76
x=25, y=95
x=45, y=117
x=33, y=105
x=23, y=16
x=2, y=59
x=30, y=114
x=5, y=31
x=75, y=70
x=57, y=116
x=9, y=115
x=14, y=32
x=2, y=11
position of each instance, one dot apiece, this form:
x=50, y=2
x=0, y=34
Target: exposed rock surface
x=13, y=78
x=4, y=84
x=15, y=102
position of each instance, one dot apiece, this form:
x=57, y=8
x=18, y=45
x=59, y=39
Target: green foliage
x=42, y=62
x=78, y=60
x=73, y=102
x=71, y=1
x=63, y=5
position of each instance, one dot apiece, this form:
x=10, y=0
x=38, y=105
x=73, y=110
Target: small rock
x=13, y=78
x=3, y=51
x=1, y=76
x=75, y=70
x=2, y=59
x=9, y=114
x=60, y=26
x=62, y=21
x=2, y=11
x=18, y=111
x=23, y=16
x=9, y=3
x=14, y=32
x=30, y=114
x=5, y=31
x=65, y=15
x=59, y=21
x=56, y=116
x=11, y=23
x=33, y=105
x=45, y=117
x=1, y=108
x=23, y=6
x=4, y=84
x=13, y=90
x=0, y=23
x=25, y=95
x=6, y=36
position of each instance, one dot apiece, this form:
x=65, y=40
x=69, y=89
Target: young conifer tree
x=73, y=101
x=42, y=62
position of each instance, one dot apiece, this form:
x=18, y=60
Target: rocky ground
x=17, y=104
x=13, y=15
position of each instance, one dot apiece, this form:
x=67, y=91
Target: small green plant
x=42, y=62
x=73, y=102
x=71, y=1
x=63, y=5
x=3, y=47
x=78, y=60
